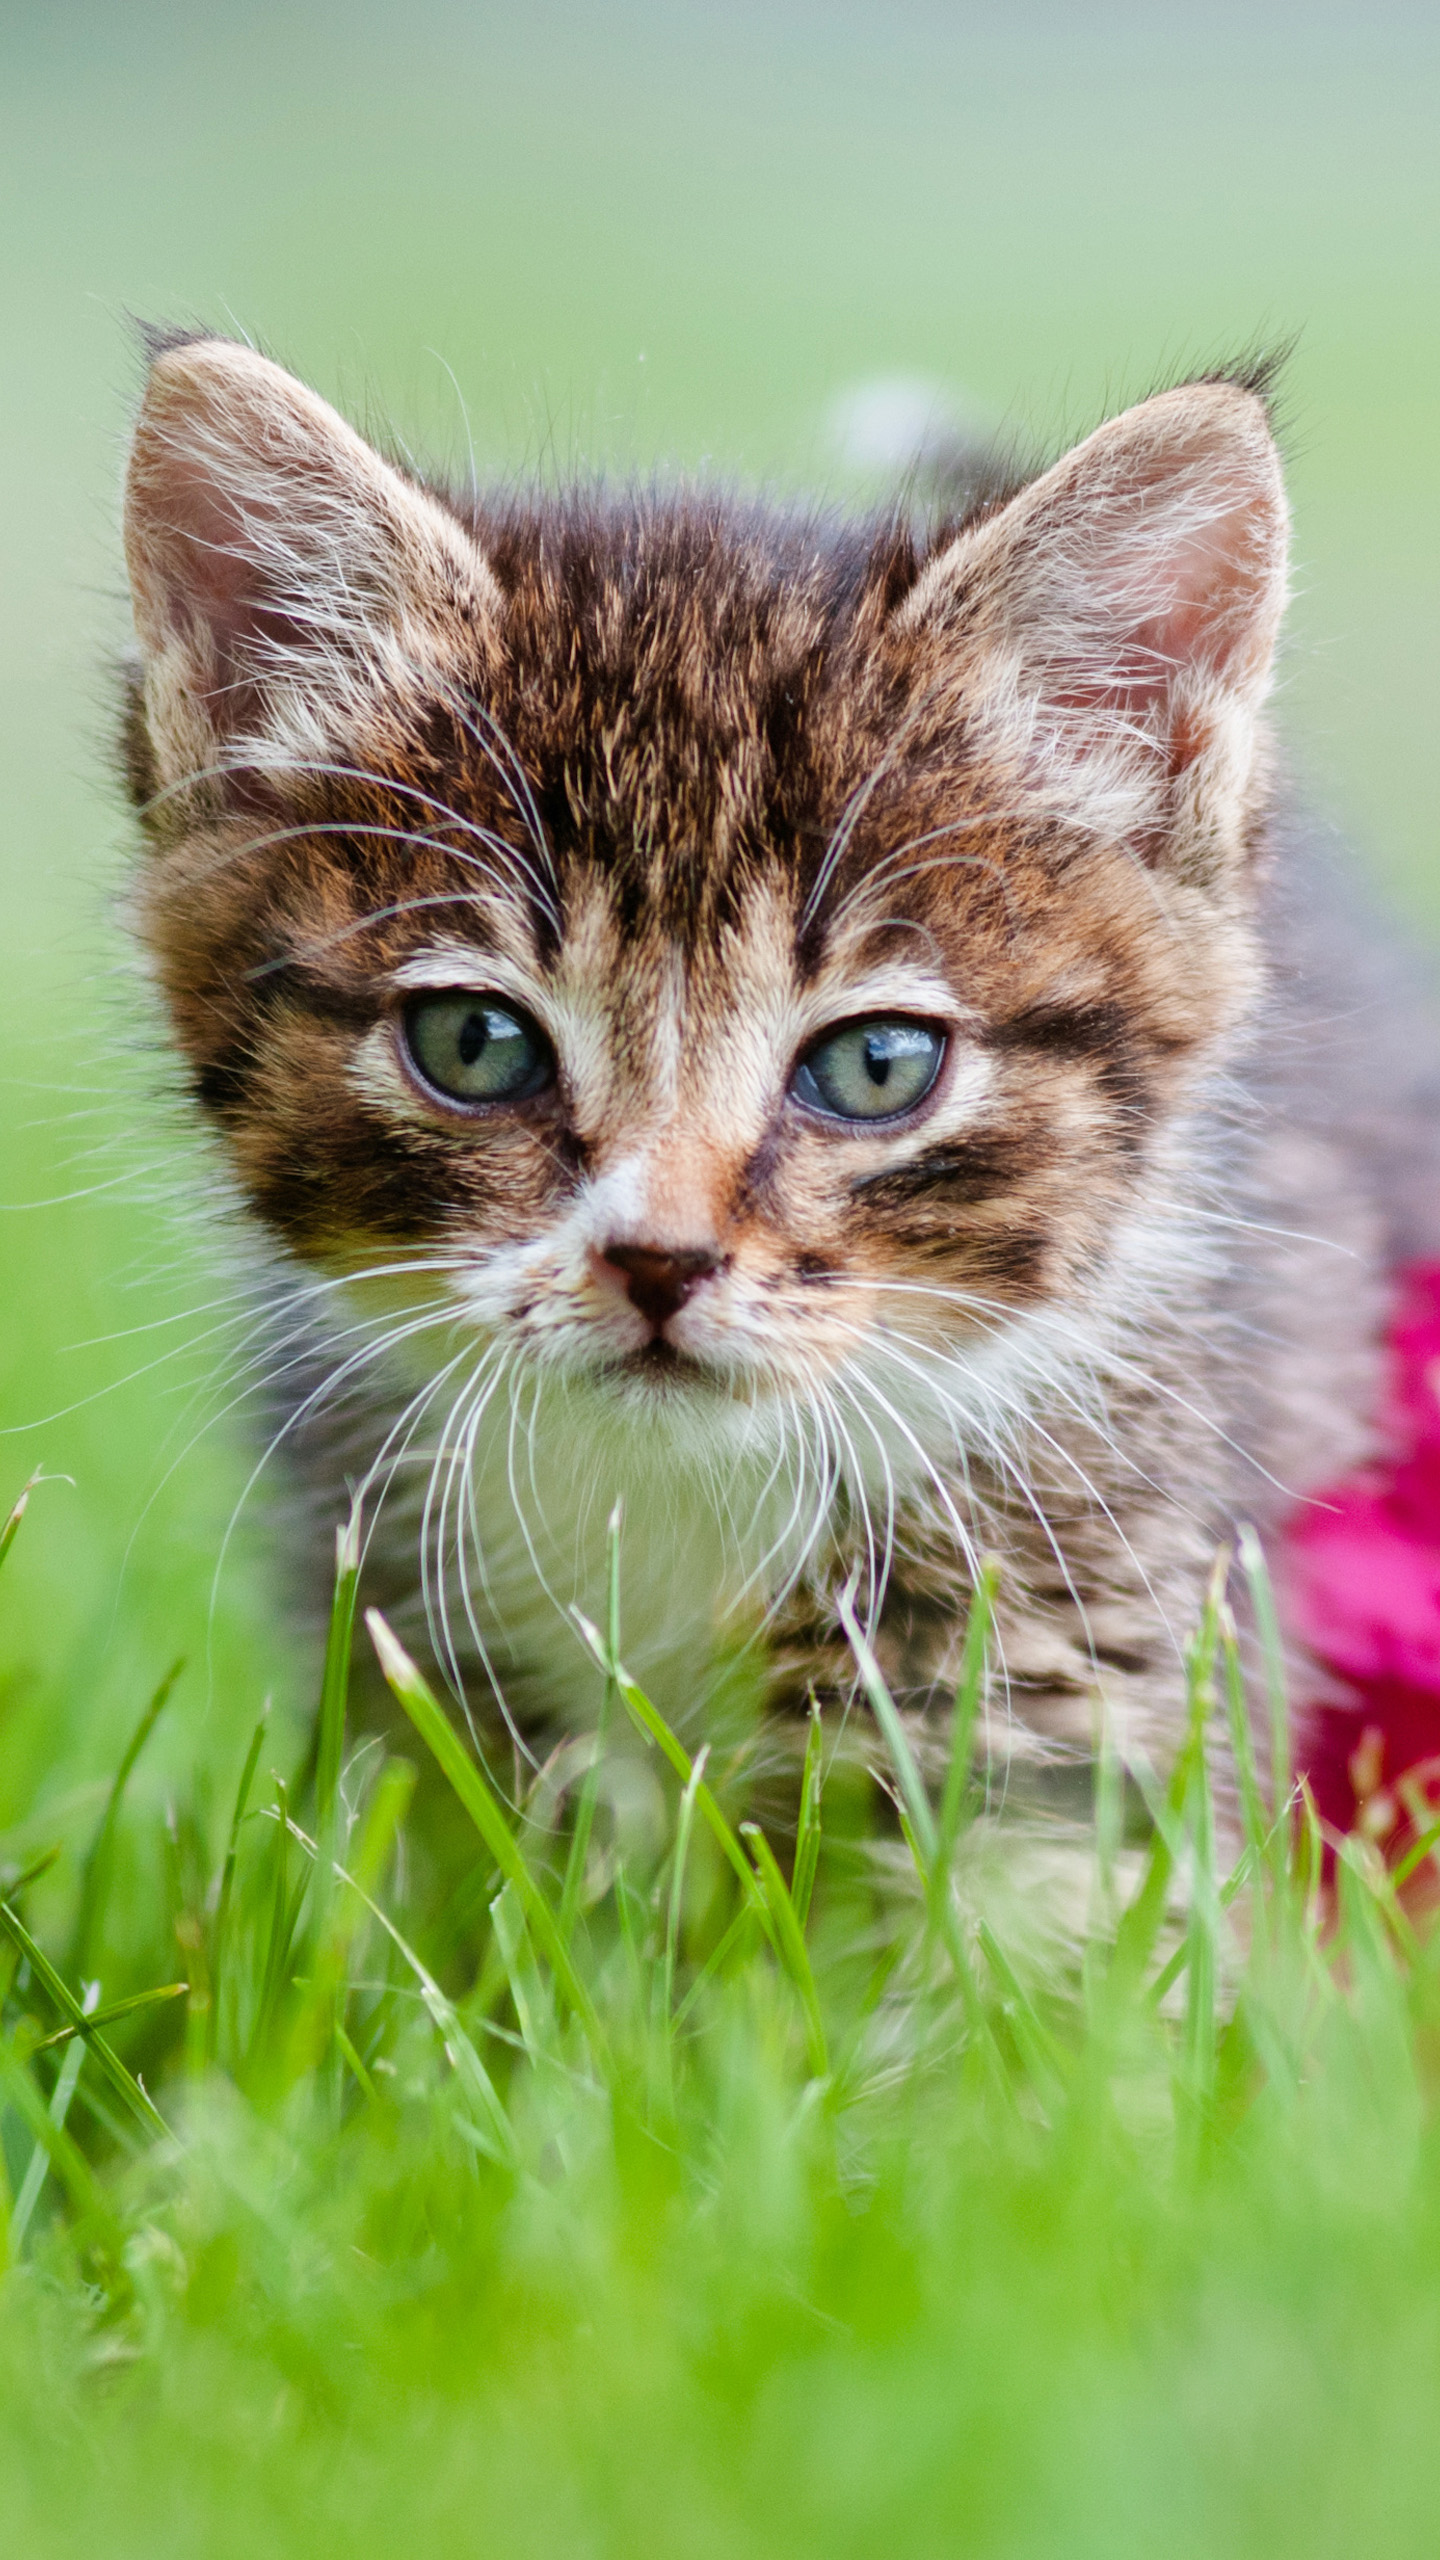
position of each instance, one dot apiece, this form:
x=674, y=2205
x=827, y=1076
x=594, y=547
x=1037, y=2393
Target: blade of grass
x=917, y=1823
x=655, y=1729
x=527, y=1991
x=33, y=2181
x=356, y=2068
x=335, y=1683
x=123, y=2082
x=590, y=1785
x=942, y=1920
x=1201, y=1919
x=220, y=1930
x=64, y=2155
x=969, y=1694
x=9, y=2245
x=95, y=1874
x=807, y=1829
x=287, y=1906
x=794, y=1953
x=1108, y=1799
x=1255, y=1819
x=415, y=1695
x=117, y=2009
x=14, y=1886
x=684, y=1827
x=1229, y=1892
x=315, y=2025
x=1141, y=1921
x=1046, y=2062
x=1143, y=1916
x=1272, y=1654
x=742, y=1921
x=920, y=1827
x=575, y=1863
x=1372, y=1928
x=322, y=2007
x=383, y=1817
x=460, y=2051
x=465, y=2062
x=1379, y=1884
x=577, y=1855
x=11, y=1529
x=1309, y=1864
x=632, y=1911
x=1420, y=1811
x=187, y=1863
x=1425, y=1845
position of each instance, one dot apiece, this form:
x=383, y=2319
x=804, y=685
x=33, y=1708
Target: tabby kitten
x=754, y=1014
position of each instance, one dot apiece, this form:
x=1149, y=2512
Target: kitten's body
x=688, y=786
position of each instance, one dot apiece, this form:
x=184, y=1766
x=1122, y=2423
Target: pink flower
x=1361, y=1580
x=1359, y=1585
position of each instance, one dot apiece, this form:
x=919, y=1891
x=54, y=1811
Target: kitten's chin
x=658, y=1373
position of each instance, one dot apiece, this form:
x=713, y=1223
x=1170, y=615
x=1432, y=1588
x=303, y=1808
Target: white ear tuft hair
x=1116, y=621
x=286, y=581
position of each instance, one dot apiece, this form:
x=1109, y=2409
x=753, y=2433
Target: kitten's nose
x=657, y=1280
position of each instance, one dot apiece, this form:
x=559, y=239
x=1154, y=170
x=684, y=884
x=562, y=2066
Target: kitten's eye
x=475, y=1049
x=871, y=1070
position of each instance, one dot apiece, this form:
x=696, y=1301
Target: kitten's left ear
x=289, y=585
x=1114, y=625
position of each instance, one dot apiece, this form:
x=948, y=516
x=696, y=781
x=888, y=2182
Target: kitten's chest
x=492, y=1555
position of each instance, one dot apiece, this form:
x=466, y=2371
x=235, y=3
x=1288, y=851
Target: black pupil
x=878, y=1060
x=474, y=1032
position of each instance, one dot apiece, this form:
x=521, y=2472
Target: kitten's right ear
x=289, y=586
x=1114, y=624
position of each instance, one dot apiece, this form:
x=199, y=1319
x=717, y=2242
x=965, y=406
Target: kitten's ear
x=1117, y=620
x=287, y=583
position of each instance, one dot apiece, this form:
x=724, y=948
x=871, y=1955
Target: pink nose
x=657, y=1280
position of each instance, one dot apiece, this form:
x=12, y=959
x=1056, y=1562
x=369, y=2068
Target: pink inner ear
x=1219, y=579
x=1196, y=603
x=209, y=577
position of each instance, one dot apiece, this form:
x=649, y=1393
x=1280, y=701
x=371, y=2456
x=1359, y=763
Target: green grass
x=644, y=2197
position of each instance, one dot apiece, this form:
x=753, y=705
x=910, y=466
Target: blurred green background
x=631, y=233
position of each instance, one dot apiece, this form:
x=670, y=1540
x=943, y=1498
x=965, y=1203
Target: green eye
x=475, y=1049
x=871, y=1070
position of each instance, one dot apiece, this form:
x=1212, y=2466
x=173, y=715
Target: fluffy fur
x=689, y=782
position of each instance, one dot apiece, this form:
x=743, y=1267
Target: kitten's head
x=712, y=942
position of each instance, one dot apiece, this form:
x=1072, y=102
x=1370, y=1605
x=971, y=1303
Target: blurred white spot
x=899, y=419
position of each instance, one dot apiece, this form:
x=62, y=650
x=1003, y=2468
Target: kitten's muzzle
x=658, y=1281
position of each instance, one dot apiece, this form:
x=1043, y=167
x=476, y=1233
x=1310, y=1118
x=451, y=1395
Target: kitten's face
x=699, y=948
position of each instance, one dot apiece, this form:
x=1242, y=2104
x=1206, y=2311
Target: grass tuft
x=617, y=2173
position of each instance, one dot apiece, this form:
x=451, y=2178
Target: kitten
x=766, y=1017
